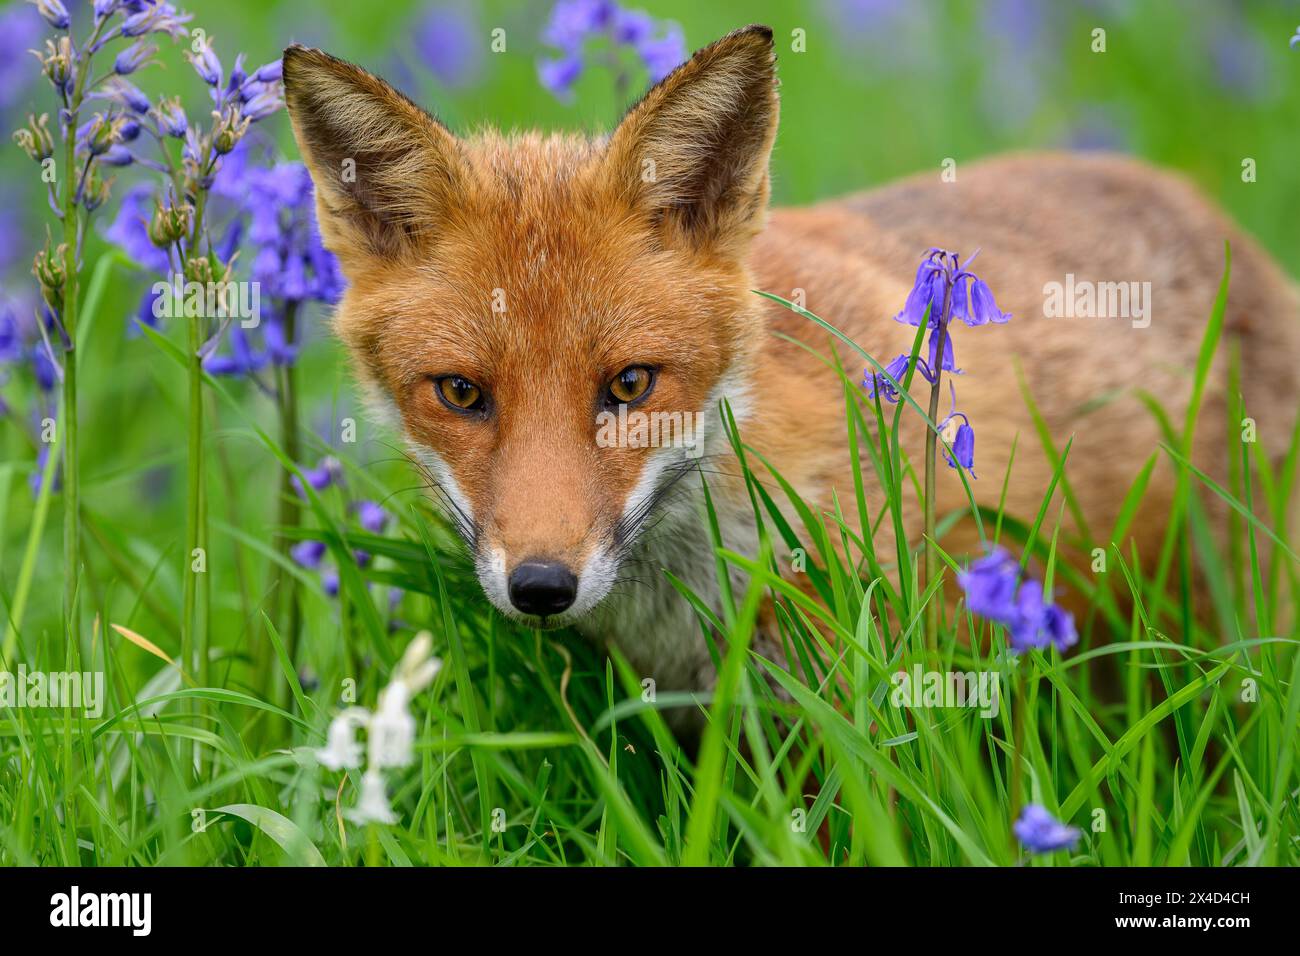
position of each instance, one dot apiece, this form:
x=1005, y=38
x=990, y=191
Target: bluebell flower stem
x=290, y=511
x=931, y=563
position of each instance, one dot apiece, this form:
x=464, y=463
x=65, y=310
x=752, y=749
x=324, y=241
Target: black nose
x=542, y=587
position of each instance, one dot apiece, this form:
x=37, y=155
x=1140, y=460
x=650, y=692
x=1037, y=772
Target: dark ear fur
x=386, y=172
x=693, y=154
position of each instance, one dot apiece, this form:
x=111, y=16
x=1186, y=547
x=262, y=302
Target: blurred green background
x=871, y=90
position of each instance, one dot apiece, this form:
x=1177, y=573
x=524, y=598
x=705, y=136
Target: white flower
x=342, y=749
x=373, y=806
x=418, y=667
x=392, y=729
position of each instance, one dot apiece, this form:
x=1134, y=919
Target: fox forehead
x=538, y=267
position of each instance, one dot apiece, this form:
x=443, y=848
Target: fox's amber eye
x=460, y=393
x=630, y=384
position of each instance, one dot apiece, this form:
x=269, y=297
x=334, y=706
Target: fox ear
x=386, y=172
x=693, y=154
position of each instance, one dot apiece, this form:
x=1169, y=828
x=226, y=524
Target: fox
x=511, y=294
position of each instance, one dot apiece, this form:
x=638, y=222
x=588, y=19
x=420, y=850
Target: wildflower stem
x=290, y=511
x=931, y=563
x=193, y=629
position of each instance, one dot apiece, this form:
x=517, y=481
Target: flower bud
x=94, y=192
x=35, y=139
x=49, y=272
x=57, y=63
x=169, y=224
x=227, y=130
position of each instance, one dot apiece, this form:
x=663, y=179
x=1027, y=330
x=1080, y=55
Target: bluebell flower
x=1040, y=832
x=371, y=516
x=133, y=57
x=205, y=63
x=990, y=585
x=446, y=38
x=243, y=359
x=153, y=16
x=963, y=444
x=558, y=76
x=54, y=13
x=1038, y=623
x=664, y=54
x=874, y=381
x=125, y=93
x=171, y=118
x=997, y=589
x=329, y=581
x=572, y=21
x=328, y=472
x=1295, y=40
x=659, y=48
x=308, y=553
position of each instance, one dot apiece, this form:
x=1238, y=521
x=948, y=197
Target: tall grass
x=1166, y=740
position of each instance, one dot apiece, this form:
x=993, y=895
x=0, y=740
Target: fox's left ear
x=693, y=154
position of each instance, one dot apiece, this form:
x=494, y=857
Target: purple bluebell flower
x=329, y=581
x=663, y=54
x=1040, y=832
x=1295, y=40
x=243, y=359
x=206, y=65
x=125, y=93
x=990, y=585
x=446, y=37
x=874, y=381
x=997, y=589
x=133, y=57
x=271, y=72
x=154, y=16
x=963, y=444
x=572, y=21
x=54, y=13
x=659, y=48
x=558, y=76
x=1038, y=623
x=117, y=155
x=308, y=553
x=371, y=516
x=325, y=474
x=105, y=8
x=171, y=118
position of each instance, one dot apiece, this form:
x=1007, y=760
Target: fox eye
x=629, y=385
x=459, y=393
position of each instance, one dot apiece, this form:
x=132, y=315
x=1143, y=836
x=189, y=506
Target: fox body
x=510, y=296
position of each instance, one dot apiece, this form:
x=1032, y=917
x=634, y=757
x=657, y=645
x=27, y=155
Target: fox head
x=511, y=298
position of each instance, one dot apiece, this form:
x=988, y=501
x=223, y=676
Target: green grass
x=1169, y=735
